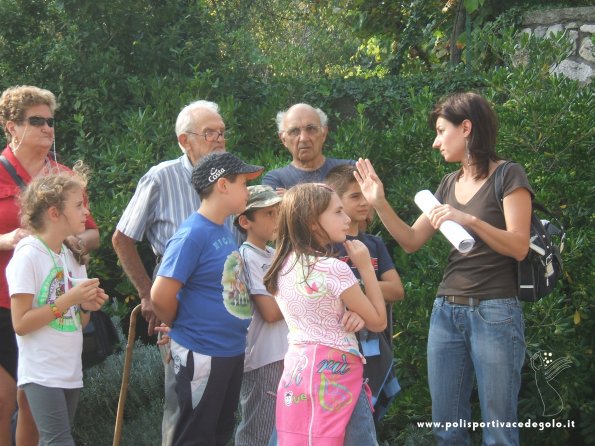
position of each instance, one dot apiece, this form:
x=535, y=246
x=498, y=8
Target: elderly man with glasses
x=302, y=130
x=163, y=199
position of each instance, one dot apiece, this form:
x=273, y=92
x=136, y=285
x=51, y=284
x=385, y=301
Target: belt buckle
x=463, y=300
x=468, y=301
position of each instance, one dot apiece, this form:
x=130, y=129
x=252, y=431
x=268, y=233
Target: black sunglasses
x=38, y=121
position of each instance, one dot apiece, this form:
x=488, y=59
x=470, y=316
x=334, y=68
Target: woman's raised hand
x=371, y=186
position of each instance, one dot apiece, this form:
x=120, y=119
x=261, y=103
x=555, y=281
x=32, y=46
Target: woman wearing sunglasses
x=27, y=117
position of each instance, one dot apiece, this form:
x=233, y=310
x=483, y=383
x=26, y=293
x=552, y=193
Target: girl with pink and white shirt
x=323, y=369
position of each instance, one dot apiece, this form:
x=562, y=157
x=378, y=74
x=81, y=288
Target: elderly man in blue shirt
x=302, y=130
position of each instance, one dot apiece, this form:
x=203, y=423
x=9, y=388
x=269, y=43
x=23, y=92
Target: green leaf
x=471, y=6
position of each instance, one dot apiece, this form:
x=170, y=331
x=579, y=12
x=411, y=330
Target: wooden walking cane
x=125, y=376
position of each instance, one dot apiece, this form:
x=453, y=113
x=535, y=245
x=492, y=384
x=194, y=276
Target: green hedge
x=96, y=414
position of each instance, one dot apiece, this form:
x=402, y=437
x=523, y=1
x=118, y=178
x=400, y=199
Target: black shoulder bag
x=540, y=271
x=100, y=339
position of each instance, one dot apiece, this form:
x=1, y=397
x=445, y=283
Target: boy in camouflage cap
x=267, y=335
x=261, y=196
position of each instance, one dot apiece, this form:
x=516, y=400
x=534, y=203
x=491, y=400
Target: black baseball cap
x=220, y=165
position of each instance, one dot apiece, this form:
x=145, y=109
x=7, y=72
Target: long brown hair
x=299, y=213
x=457, y=107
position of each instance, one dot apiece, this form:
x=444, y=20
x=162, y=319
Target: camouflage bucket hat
x=262, y=196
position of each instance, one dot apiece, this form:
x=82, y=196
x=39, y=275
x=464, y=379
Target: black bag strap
x=499, y=182
x=12, y=171
x=499, y=186
x=536, y=205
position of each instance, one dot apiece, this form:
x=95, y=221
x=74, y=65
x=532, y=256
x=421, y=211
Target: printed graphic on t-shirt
x=347, y=260
x=311, y=284
x=52, y=288
x=235, y=293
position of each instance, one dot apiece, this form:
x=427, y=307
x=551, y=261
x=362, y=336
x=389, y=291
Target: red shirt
x=10, y=214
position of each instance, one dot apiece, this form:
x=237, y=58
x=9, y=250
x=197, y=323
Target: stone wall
x=579, y=25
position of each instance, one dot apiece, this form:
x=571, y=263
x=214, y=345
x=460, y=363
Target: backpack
x=540, y=271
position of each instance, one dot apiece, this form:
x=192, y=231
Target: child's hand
x=358, y=253
x=86, y=291
x=163, y=342
x=352, y=322
x=163, y=331
x=95, y=304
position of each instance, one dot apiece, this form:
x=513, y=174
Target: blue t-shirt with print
x=213, y=304
x=381, y=260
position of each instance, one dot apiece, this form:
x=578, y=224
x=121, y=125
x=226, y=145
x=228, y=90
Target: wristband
x=57, y=313
x=83, y=310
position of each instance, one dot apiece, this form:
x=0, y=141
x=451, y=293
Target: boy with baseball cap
x=266, y=344
x=199, y=292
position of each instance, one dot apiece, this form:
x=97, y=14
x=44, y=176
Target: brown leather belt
x=464, y=300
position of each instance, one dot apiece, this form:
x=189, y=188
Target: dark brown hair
x=249, y=213
x=457, y=107
x=208, y=191
x=299, y=212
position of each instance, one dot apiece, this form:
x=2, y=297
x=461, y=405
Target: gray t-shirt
x=267, y=341
x=288, y=176
x=481, y=272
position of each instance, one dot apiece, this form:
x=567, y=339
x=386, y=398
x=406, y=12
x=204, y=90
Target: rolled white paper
x=454, y=232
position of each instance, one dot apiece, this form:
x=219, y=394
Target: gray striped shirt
x=163, y=199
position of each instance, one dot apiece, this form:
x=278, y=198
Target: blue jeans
x=485, y=342
x=360, y=430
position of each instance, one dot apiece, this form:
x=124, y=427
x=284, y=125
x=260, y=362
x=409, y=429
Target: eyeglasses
x=310, y=129
x=212, y=135
x=39, y=121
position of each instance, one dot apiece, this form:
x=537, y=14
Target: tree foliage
x=402, y=36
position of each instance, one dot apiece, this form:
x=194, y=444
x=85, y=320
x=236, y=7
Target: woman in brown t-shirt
x=476, y=327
